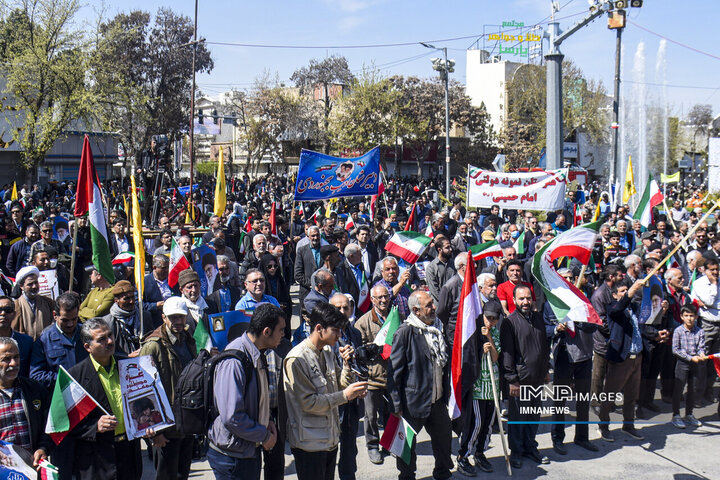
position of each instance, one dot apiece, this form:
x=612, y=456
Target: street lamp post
x=444, y=67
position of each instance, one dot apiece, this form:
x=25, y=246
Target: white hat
x=175, y=306
x=24, y=272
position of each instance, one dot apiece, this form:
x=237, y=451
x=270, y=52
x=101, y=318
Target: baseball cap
x=175, y=306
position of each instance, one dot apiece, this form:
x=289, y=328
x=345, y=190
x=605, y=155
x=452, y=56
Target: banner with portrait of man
x=321, y=177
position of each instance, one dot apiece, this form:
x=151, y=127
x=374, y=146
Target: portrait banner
x=543, y=190
x=321, y=177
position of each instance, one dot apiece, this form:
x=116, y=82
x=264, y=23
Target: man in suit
x=449, y=300
x=351, y=275
x=156, y=289
x=102, y=449
x=118, y=241
x=368, y=249
x=19, y=253
x=225, y=295
x=307, y=260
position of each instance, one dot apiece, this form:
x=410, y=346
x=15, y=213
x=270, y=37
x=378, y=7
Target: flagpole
x=497, y=414
x=677, y=247
x=72, y=257
x=669, y=213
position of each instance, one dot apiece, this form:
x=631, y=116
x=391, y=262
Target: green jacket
x=96, y=304
x=159, y=346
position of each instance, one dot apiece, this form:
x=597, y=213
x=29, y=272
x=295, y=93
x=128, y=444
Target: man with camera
x=369, y=326
x=313, y=383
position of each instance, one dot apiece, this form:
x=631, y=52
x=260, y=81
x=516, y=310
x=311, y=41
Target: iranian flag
x=178, y=263
x=487, y=249
x=384, y=337
x=565, y=299
x=464, y=360
x=715, y=357
x=364, y=296
x=398, y=438
x=519, y=244
x=202, y=337
x=88, y=200
x=123, y=258
x=373, y=203
x=408, y=245
x=48, y=471
x=273, y=222
x=651, y=197
x=350, y=224
x=70, y=404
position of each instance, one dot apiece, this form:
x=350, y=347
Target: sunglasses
x=7, y=309
x=273, y=266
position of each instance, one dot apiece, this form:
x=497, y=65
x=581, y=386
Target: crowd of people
x=309, y=387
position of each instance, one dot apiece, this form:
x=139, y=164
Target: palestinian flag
x=715, y=357
x=464, y=360
x=202, y=337
x=398, y=437
x=384, y=337
x=651, y=197
x=70, y=404
x=412, y=220
x=364, y=297
x=566, y=300
x=519, y=244
x=178, y=263
x=408, y=245
x=123, y=258
x=88, y=200
x=487, y=249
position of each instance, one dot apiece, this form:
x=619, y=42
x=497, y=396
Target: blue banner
x=221, y=324
x=185, y=190
x=321, y=176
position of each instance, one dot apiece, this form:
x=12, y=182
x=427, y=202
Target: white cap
x=175, y=306
x=24, y=272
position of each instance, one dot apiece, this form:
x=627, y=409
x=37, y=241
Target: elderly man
x=102, y=449
x=59, y=344
x=706, y=292
x=225, y=294
x=124, y=318
x=198, y=307
x=692, y=268
x=314, y=389
x=252, y=258
x=25, y=342
x=399, y=292
x=323, y=283
x=185, y=243
x=171, y=348
x=627, y=239
x=24, y=404
x=375, y=406
x=156, y=288
x=441, y=269
x=215, y=227
x=255, y=288
x=19, y=254
x=488, y=288
x=97, y=303
x=34, y=311
x=307, y=260
x=525, y=359
x=447, y=307
x=352, y=279
x=415, y=383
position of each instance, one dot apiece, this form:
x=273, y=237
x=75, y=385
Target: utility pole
x=192, y=109
x=616, y=109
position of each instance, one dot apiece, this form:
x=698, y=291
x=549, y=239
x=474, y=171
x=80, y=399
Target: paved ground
x=666, y=453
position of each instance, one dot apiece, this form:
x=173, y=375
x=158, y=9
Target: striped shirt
x=482, y=390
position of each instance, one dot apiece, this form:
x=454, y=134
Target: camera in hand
x=364, y=356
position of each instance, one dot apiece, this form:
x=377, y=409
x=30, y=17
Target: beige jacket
x=313, y=395
x=369, y=326
x=33, y=323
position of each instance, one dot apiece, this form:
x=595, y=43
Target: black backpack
x=194, y=407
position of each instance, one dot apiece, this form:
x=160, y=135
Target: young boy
x=688, y=345
x=475, y=436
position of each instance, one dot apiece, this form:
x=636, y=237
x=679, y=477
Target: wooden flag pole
x=677, y=247
x=497, y=414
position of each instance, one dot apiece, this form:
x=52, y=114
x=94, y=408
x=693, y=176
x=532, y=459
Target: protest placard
x=526, y=190
x=223, y=325
x=49, y=284
x=145, y=403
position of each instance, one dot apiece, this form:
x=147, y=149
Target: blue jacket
x=53, y=349
x=25, y=345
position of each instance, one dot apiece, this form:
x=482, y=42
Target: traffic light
x=215, y=116
x=201, y=117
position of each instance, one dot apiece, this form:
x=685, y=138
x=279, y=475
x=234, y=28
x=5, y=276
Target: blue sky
x=363, y=22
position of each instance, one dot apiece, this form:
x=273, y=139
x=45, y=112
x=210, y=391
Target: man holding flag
x=416, y=384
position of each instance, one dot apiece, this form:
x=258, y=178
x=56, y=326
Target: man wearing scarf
x=198, y=307
x=124, y=318
x=415, y=382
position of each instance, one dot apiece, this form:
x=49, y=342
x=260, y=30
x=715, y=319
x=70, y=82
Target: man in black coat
x=449, y=301
x=28, y=395
x=524, y=359
x=349, y=273
x=307, y=260
x=102, y=449
x=415, y=383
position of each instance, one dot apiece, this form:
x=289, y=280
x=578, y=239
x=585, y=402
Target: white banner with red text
x=543, y=190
